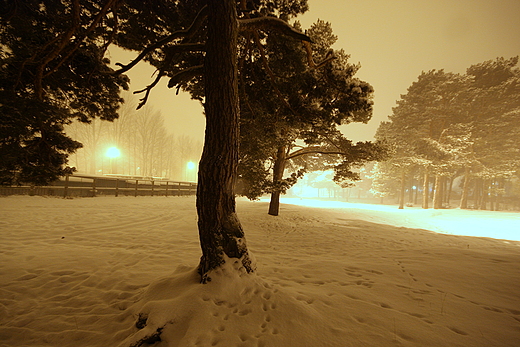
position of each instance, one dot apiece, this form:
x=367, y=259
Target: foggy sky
x=393, y=40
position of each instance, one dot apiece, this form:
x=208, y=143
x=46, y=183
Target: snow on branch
x=272, y=23
x=314, y=150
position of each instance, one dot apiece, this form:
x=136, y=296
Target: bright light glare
x=304, y=189
x=498, y=225
x=190, y=165
x=333, y=204
x=113, y=152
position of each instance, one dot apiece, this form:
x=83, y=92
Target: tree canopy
x=53, y=70
x=451, y=125
x=290, y=110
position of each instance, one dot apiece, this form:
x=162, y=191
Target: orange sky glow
x=394, y=41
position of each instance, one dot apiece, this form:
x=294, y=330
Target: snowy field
x=80, y=272
x=498, y=225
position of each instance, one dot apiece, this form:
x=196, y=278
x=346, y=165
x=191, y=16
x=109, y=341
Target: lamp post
x=113, y=153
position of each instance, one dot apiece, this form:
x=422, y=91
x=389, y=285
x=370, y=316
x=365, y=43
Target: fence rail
x=82, y=185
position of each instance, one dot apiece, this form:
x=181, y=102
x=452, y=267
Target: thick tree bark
x=278, y=169
x=220, y=231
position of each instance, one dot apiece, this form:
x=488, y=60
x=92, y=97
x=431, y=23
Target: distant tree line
x=147, y=149
x=455, y=129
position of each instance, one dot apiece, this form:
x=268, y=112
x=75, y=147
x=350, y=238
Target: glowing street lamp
x=113, y=153
x=189, y=167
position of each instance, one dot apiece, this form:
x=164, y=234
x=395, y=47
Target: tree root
x=148, y=339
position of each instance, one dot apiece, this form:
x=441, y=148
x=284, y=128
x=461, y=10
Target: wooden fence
x=82, y=185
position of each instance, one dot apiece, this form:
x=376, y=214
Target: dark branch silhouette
x=314, y=150
x=185, y=75
x=147, y=90
x=272, y=23
x=185, y=33
x=329, y=57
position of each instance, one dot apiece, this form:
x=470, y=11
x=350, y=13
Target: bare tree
x=91, y=136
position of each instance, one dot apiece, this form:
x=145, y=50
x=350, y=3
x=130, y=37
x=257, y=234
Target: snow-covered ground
x=80, y=272
x=498, y=225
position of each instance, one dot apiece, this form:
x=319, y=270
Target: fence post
x=166, y=188
x=93, y=187
x=153, y=182
x=136, y=185
x=117, y=187
x=66, y=188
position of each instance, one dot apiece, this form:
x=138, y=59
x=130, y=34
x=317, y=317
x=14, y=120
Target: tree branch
x=185, y=75
x=112, y=33
x=329, y=57
x=186, y=47
x=40, y=69
x=95, y=22
x=331, y=142
x=314, y=150
x=147, y=90
x=182, y=76
x=271, y=23
x=272, y=77
x=186, y=33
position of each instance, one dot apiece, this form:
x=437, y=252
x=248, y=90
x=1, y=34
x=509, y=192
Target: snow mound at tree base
x=234, y=309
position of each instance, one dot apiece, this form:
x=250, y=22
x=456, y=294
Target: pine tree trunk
x=95, y=151
x=403, y=186
x=416, y=194
x=449, y=189
x=484, y=195
x=410, y=191
x=426, y=190
x=465, y=190
x=500, y=186
x=438, y=195
x=220, y=231
x=477, y=193
x=278, y=169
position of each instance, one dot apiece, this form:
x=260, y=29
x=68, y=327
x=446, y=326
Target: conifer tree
x=452, y=125
x=195, y=45
x=418, y=129
x=55, y=56
x=52, y=70
x=495, y=127
x=291, y=110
